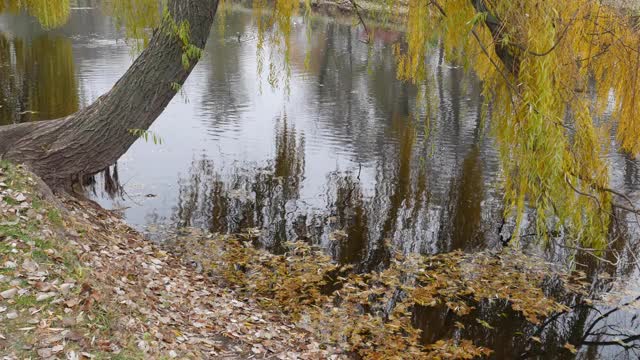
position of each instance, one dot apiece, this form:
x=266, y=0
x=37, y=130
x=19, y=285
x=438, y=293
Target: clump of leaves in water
x=371, y=314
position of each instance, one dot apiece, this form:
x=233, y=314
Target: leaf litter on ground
x=77, y=282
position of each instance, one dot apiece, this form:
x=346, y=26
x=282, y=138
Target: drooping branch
x=96, y=136
x=505, y=52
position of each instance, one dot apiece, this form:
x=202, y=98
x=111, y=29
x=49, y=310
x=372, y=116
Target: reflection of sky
x=193, y=127
x=351, y=113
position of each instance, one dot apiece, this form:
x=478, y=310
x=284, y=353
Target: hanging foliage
x=546, y=67
x=136, y=17
x=560, y=76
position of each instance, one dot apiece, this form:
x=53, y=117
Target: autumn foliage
x=372, y=314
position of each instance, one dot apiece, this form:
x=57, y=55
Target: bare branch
x=361, y=19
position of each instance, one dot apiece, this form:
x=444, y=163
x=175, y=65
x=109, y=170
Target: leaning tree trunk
x=60, y=151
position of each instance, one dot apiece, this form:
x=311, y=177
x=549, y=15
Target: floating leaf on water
x=571, y=348
x=485, y=324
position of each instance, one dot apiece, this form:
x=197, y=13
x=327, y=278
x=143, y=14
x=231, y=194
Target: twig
x=555, y=45
x=511, y=86
x=566, y=179
x=364, y=25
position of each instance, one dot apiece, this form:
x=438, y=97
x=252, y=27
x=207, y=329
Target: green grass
x=5, y=248
x=37, y=204
x=54, y=217
x=102, y=318
x=42, y=244
x=25, y=301
x=10, y=201
x=39, y=256
x=13, y=231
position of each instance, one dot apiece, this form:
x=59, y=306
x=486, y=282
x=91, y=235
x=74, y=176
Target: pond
x=343, y=157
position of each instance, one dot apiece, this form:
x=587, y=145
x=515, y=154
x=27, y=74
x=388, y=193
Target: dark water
x=345, y=159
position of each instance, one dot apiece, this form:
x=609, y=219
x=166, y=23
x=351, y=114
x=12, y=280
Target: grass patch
x=10, y=201
x=42, y=244
x=54, y=217
x=37, y=204
x=14, y=232
x=101, y=319
x=39, y=256
x=4, y=164
x=25, y=301
x=4, y=247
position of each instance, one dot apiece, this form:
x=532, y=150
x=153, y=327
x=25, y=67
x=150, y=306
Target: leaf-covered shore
x=77, y=282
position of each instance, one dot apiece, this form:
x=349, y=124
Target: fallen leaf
x=12, y=315
x=30, y=266
x=143, y=345
x=571, y=348
x=45, y=296
x=8, y=294
x=45, y=353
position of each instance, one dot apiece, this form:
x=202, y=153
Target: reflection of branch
x=355, y=9
x=620, y=342
x=604, y=316
x=593, y=252
x=632, y=208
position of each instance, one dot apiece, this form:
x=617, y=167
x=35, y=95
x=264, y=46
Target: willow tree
x=551, y=69
x=93, y=138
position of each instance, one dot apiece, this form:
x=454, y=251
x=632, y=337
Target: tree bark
x=494, y=24
x=61, y=151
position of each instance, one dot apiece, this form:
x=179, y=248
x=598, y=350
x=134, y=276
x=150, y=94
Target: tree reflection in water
x=360, y=230
x=263, y=198
x=406, y=188
x=38, y=78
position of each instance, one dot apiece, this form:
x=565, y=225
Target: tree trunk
x=505, y=52
x=60, y=151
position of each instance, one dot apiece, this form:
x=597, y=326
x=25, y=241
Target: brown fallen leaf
x=30, y=266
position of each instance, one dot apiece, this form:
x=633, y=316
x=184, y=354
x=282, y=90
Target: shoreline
x=77, y=281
